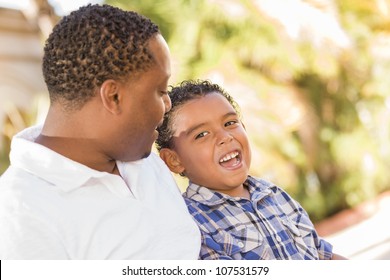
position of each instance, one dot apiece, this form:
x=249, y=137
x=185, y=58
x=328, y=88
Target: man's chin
x=146, y=154
x=137, y=156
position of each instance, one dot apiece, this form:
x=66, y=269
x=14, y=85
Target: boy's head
x=203, y=138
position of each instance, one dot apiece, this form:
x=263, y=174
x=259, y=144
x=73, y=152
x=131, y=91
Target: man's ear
x=172, y=160
x=111, y=96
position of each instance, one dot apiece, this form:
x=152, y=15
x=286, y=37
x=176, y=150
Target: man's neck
x=75, y=136
x=83, y=151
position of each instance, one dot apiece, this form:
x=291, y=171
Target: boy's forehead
x=207, y=102
x=201, y=111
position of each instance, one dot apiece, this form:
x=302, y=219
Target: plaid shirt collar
x=257, y=189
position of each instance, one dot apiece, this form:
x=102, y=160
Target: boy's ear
x=172, y=160
x=111, y=96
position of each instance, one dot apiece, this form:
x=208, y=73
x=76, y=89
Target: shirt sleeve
x=301, y=218
x=211, y=249
x=324, y=248
x=24, y=237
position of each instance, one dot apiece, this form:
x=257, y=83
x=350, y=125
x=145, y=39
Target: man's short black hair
x=186, y=91
x=91, y=45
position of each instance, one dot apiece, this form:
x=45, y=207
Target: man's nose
x=167, y=103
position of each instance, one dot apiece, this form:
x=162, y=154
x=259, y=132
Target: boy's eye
x=231, y=123
x=200, y=135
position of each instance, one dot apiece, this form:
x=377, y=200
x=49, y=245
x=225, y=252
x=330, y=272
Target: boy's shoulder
x=261, y=184
x=198, y=195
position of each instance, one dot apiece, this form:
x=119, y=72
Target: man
x=85, y=185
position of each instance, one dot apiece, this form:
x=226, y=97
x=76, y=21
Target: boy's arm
x=338, y=257
x=211, y=250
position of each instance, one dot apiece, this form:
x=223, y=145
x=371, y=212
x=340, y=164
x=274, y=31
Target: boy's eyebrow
x=191, y=129
x=195, y=127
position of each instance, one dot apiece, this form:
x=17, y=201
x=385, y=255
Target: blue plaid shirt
x=271, y=225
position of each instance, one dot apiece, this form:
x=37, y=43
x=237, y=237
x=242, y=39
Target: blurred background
x=310, y=76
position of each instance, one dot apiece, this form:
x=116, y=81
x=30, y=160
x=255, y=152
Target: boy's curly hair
x=181, y=94
x=91, y=45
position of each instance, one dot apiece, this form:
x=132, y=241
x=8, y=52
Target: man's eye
x=202, y=134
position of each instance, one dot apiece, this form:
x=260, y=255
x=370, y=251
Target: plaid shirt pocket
x=242, y=240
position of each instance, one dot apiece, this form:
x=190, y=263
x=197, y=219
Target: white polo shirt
x=54, y=208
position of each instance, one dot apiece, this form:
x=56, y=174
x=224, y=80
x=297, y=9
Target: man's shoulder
x=14, y=177
x=21, y=190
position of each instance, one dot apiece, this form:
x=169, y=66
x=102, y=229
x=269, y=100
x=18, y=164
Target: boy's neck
x=240, y=191
x=245, y=192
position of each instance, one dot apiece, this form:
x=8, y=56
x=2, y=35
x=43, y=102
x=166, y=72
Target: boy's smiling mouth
x=230, y=160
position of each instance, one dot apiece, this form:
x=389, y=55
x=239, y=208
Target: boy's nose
x=225, y=137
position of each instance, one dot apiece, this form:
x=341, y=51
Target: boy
x=240, y=217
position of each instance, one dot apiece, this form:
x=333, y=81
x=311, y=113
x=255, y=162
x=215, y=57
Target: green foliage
x=317, y=110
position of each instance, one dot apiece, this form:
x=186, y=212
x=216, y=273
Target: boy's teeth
x=229, y=156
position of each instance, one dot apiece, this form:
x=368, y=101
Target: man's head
x=203, y=138
x=107, y=72
x=93, y=44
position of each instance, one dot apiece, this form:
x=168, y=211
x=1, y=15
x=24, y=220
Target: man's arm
x=24, y=237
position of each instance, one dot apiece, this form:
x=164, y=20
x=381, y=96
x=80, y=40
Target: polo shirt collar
x=47, y=164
